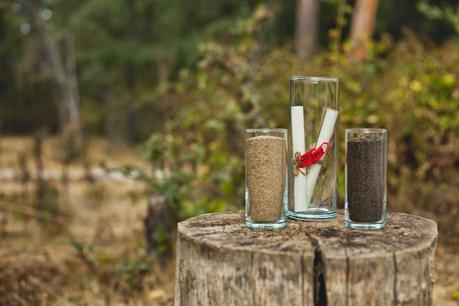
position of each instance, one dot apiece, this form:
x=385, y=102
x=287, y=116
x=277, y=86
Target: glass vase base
x=312, y=214
x=265, y=225
x=365, y=226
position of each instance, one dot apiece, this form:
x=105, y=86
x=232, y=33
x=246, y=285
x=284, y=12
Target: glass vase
x=265, y=178
x=313, y=147
x=365, y=179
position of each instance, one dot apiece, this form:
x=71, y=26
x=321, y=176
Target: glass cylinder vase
x=265, y=178
x=365, y=179
x=313, y=147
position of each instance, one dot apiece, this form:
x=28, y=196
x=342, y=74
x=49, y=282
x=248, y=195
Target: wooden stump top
x=222, y=262
x=404, y=232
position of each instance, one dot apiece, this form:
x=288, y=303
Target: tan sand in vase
x=266, y=166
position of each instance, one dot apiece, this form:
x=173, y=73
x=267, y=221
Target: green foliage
x=196, y=154
x=405, y=87
x=445, y=13
x=128, y=50
x=161, y=238
x=131, y=272
x=122, y=274
x=47, y=202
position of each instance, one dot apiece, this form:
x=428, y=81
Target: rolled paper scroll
x=298, y=145
x=326, y=132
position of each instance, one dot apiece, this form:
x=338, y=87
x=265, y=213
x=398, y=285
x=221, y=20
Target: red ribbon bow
x=314, y=155
x=310, y=157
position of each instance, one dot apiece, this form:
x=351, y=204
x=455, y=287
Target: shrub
x=406, y=87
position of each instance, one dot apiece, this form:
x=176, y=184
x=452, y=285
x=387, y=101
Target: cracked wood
x=221, y=262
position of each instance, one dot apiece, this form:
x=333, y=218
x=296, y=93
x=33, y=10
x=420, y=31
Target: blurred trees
x=135, y=48
x=118, y=57
x=126, y=53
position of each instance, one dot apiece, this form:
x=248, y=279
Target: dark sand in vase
x=365, y=179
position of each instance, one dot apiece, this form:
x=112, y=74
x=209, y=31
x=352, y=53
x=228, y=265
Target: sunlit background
x=119, y=118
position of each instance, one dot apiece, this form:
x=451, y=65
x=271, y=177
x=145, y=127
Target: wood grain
x=221, y=262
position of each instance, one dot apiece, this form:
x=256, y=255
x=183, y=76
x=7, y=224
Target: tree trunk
x=363, y=24
x=72, y=84
x=64, y=72
x=163, y=70
x=307, y=27
x=130, y=112
x=159, y=228
x=221, y=262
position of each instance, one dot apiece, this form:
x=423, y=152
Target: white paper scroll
x=326, y=132
x=298, y=145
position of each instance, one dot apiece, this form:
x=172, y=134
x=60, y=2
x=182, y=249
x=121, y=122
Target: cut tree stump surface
x=221, y=262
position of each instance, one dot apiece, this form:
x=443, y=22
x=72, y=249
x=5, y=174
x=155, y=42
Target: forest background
x=120, y=118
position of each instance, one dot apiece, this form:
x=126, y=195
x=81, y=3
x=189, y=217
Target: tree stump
x=221, y=262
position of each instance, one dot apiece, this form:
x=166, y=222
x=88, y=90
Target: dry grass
x=47, y=263
x=27, y=278
x=108, y=230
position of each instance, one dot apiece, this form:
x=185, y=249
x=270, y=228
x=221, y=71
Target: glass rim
x=366, y=130
x=314, y=79
x=266, y=130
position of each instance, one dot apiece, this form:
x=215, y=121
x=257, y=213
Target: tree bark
x=159, y=228
x=221, y=262
x=363, y=24
x=130, y=112
x=72, y=81
x=307, y=27
x=163, y=70
x=64, y=72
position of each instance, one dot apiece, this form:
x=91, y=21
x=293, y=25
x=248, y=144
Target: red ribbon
x=314, y=155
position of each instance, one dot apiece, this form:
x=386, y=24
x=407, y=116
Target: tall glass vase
x=313, y=147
